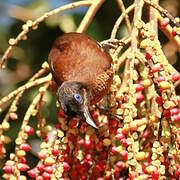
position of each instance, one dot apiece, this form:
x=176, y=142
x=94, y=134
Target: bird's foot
x=112, y=43
x=106, y=112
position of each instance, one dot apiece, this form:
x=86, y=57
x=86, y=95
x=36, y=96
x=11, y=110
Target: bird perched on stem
x=82, y=71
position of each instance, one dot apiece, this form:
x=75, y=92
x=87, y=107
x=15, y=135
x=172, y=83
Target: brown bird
x=82, y=71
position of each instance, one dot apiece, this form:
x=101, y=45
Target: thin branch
x=163, y=11
x=134, y=41
x=125, y=81
x=168, y=32
x=122, y=7
x=153, y=14
x=13, y=106
x=34, y=24
x=112, y=43
x=41, y=121
x=126, y=40
x=96, y=4
x=107, y=162
x=29, y=114
x=137, y=17
x=123, y=57
x=25, y=87
x=22, y=135
x=119, y=20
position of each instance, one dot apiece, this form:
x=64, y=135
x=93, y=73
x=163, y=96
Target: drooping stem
x=128, y=24
x=120, y=19
x=168, y=32
x=153, y=14
x=25, y=87
x=96, y=4
x=163, y=11
x=134, y=42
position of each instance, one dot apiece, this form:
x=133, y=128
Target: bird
x=82, y=71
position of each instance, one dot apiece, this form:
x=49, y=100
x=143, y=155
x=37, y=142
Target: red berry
x=144, y=165
x=29, y=130
x=159, y=100
x=174, y=31
x=95, y=115
x=101, y=165
x=100, y=145
x=23, y=167
x=120, y=165
x=89, y=157
x=148, y=56
x=124, y=155
x=178, y=173
x=164, y=22
x=139, y=87
x=113, y=123
x=73, y=123
x=40, y=167
x=157, y=68
x=41, y=155
x=25, y=147
x=7, y=169
x=58, y=126
x=61, y=113
x=100, y=178
x=23, y=160
x=49, y=169
x=155, y=175
x=139, y=98
x=176, y=118
x=33, y=173
x=147, y=145
x=123, y=142
x=83, y=177
x=113, y=150
x=80, y=142
x=146, y=134
x=161, y=78
x=87, y=143
x=66, y=166
x=55, y=152
x=175, y=111
x=73, y=174
x=103, y=155
x=46, y=176
x=176, y=77
x=119, y=136
x=166, y=113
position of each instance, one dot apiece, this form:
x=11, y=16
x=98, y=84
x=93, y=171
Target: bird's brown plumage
x=76, y=57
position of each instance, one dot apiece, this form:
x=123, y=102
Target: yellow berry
x=21, y=153
x=107, y=142
x=150, y=169
x=49, y=161
x=5, y=125
x=140, y=156
x=12, y=41
x=164, y=85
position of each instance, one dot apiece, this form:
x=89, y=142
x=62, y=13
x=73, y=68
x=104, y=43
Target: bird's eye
x=78, y=97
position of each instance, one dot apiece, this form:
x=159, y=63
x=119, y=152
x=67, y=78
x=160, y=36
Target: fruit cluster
x=145, y=144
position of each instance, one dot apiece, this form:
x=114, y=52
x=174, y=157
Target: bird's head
x=74, y=98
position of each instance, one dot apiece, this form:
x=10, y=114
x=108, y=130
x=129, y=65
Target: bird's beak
x=89, y=119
